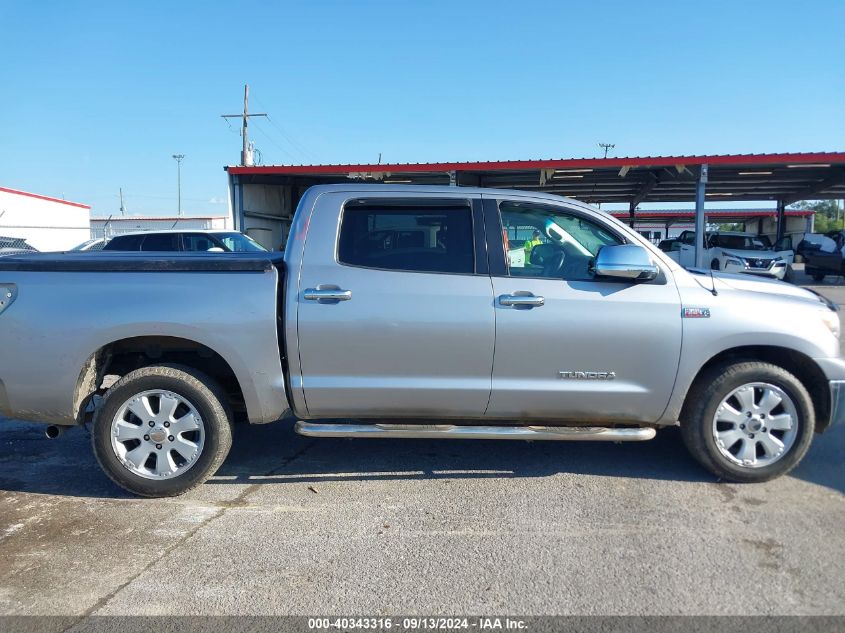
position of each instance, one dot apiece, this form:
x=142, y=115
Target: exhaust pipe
x=54, y=430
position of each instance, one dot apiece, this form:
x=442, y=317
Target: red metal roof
x=48, y=198
x=786, y=177
x=795, y=158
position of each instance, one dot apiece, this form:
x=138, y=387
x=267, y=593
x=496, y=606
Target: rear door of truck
x=395, y=307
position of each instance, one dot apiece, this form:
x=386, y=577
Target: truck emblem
x=587, y=375
x=695, y=313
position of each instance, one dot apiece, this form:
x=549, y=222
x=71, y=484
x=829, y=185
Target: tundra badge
x=587, y=375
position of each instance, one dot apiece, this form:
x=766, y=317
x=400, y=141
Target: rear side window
x=433, y=238
x=124, y=243
x=161, y=242
x=197, y=242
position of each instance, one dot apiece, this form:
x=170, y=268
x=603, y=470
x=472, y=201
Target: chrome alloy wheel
x=755, y=425
x=157, y=434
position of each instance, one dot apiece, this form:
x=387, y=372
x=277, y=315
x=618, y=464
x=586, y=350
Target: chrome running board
x=447, y=431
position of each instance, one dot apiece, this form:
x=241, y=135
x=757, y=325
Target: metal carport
x=268, y=193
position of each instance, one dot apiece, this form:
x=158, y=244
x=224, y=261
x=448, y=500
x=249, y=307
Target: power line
x=293, y=142
x=273, y=141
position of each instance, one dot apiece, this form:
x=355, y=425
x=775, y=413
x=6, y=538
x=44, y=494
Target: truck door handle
x=326, y=294
x=526, y=300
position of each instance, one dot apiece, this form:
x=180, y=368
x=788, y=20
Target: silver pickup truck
x=417, y=312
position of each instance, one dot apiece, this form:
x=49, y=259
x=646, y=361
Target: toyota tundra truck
x=414, y=312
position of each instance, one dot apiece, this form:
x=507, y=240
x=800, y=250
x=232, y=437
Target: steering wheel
x=553, y=264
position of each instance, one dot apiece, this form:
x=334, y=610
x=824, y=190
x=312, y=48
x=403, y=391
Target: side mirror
x=625, y=261
x=215, y=249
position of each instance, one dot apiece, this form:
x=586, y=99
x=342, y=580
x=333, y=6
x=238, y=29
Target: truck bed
x=72, y=312
x=121, y=261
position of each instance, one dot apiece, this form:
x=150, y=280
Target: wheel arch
x=798, y=364
x=121, y=356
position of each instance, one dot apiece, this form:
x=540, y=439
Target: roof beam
x=836, y=178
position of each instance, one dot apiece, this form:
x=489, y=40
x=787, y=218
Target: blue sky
x=99, y=95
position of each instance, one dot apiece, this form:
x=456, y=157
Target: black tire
x=818, y=277
x=202, y=392
x=707, y=394
x=714, y=265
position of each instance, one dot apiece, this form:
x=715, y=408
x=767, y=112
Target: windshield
x=745, y=242
x=239, y=243
x=90, y=245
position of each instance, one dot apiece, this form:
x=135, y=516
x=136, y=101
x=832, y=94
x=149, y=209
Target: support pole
x=781, y=228
x=700, y=224
x=178, y=158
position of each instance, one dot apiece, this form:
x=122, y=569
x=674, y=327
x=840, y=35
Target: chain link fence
x=14, y=245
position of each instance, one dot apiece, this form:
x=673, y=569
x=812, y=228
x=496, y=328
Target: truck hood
x=749, y=283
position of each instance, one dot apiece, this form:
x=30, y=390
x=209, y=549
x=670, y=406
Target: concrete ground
x=298, y=526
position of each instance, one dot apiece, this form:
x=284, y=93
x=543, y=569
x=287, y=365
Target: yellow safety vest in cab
x=529, y=245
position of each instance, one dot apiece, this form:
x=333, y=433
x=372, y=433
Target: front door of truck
x=395, y=308
x=570, y=346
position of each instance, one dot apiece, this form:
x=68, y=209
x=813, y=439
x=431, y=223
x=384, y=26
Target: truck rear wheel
x=818, y=277
x=162, y=430
x=748, y=422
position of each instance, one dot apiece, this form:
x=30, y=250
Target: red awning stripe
x=48, y=198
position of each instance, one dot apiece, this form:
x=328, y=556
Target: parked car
x=15, y=246
x=824, y=254
x=736, y=252
x=184, y=240
x=827, y=242
x=600, y=336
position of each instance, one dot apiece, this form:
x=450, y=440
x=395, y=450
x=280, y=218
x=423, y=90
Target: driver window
x=550, y=242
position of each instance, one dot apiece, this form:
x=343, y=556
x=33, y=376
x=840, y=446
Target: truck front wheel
x=162, y=430
x=748, y=422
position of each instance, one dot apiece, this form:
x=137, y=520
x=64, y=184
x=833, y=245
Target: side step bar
x=447, y=431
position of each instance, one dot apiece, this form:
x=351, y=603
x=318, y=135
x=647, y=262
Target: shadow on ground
x=274, y=454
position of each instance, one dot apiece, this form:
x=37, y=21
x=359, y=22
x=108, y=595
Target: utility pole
x=179, y=158
x=122, y=208
x=607, y=147
x=246, y=153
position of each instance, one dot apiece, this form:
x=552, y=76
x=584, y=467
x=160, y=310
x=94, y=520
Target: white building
x=48, y=224
x=115, y=225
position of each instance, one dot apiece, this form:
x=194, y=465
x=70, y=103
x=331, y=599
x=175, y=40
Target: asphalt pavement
x=292, y=525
